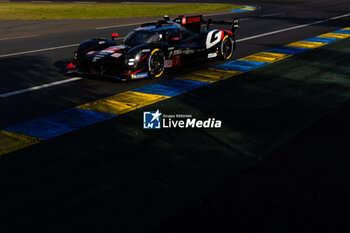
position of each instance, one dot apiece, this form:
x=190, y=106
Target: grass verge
x=99, y=11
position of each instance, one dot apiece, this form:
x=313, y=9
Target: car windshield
x=141, y=37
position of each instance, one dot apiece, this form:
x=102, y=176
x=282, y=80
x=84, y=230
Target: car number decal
x=213, y=38
x=177, y=60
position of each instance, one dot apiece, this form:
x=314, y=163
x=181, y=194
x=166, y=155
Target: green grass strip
x=105, y=10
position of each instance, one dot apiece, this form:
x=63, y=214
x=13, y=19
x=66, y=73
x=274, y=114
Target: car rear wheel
x=227, y=47
x=156, y=63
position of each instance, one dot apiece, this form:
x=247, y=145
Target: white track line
x=38, y=50
x=77, y=78
x=122, y=25
x=39, y=87
x=292, y=28
x=273, y=14
x=18, y=37
x=43, y=50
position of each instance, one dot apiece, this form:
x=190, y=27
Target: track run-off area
x=74, y=146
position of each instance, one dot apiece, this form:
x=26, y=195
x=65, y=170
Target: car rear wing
x=234, y=24
x=194, y=22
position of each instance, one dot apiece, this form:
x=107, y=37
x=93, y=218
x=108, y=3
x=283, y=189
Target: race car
x=149, y=49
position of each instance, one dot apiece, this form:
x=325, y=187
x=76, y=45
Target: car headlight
x=131, y=61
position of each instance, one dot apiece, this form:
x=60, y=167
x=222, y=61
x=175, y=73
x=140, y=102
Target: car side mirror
x=174, y=39
x=114, y=36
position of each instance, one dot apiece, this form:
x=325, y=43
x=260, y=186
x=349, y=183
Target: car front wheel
x=156, y=63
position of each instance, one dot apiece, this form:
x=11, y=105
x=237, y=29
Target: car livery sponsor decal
x=168, y=63
x=139, y=75
x=112, y=49
x=116, y=55
x=193, y=19
x=177, y=52
x=121, y=46
x=212, y=55
x=174, y=52
x=97, y=57
x=107, y=51
x=91, y=52
x=188, y=51
x=100, y=55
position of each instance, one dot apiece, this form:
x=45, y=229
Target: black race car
x=149, y=49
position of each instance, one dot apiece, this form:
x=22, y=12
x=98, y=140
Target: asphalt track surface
x=41, y=67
